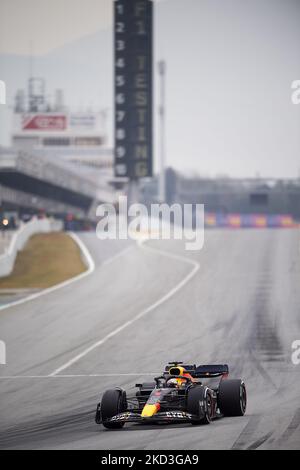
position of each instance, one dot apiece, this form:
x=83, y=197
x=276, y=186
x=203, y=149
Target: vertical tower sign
x=133, y=88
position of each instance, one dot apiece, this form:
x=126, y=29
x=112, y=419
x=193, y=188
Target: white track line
x=117, y=255
x=90, y=270
x=158, y=303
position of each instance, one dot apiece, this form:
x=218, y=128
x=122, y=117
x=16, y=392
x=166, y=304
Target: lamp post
x=162, y=116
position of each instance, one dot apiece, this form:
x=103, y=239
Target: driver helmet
x=175, y=383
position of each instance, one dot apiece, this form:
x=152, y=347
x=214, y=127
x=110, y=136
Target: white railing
x=20, y=238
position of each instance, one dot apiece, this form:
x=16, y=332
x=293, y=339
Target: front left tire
x=200, y=403
x=113, y=402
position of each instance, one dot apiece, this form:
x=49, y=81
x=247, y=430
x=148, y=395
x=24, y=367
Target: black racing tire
x=232, y=398
x=113, y=402
x=196, y=396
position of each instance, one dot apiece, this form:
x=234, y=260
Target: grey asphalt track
x=241, y=306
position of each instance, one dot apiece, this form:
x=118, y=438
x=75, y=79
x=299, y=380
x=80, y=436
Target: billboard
x=213, y=220
x=133, y=88
x=88, y=121
x=44, y=122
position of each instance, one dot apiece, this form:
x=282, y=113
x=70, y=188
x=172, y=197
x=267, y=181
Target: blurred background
x=232, y=136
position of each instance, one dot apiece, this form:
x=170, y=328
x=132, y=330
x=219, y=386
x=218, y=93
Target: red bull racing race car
x=178, y=395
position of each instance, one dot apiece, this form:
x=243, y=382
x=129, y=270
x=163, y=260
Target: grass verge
x=46, y=260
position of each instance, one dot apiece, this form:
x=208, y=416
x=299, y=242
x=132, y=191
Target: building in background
x=229, y=195
x=53, y=130
x=58, y=163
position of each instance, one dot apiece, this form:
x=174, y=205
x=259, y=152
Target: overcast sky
x=230, y=65
x=49, y=23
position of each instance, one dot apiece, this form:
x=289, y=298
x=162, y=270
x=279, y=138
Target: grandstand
x=31, y=183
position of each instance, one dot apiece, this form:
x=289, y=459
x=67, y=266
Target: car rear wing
x=205, y=371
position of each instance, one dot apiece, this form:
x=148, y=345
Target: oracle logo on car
x=2, y=92
x=2, y=353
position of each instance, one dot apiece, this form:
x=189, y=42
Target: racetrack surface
x=237, y=301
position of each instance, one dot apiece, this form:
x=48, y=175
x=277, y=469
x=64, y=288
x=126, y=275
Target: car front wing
x=167, y=416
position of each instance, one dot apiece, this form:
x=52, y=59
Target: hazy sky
x=230, y=65
x=49, y=23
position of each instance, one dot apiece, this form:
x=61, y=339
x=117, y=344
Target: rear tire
x=232, y=398
x=195, y=396
x=113, y=402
